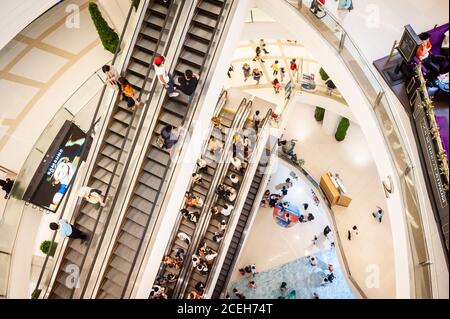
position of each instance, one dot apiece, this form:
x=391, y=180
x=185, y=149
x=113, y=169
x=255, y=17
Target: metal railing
x=239, y=121
x=169, y=174
x=241, y=197
x=85, y=150
x=333, y=32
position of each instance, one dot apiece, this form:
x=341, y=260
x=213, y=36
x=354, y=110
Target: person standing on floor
x=284, y=192
x=247, y=71
x=294, y=68
x=262, y=44
x=277, y=86
x=282, y=74
x=67, y=230
x=257, y=75
x=230, y=70
x=352, y=233
x=378, y=214
x=344, y=7
x=164, y=77
x=188, y=83
x=276, y=67
x=258, y=56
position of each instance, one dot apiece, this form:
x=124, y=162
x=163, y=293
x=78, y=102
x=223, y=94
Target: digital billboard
x=57, y=169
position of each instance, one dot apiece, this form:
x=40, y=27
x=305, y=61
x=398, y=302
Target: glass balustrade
x=331, y=30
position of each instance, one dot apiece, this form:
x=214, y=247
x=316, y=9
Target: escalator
x=195, y=50
x=242, y=225
x=116, y=144
x=229, y=123
x=193, y=276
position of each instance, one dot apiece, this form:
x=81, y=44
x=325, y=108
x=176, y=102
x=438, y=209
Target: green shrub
x=36, y=293
x=109, y=38
x=319, y=114
x=342, y=129
x=323, y=74
x=136, y=3
x=45, y=247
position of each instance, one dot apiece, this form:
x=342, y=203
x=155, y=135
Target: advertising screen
x=57, y=169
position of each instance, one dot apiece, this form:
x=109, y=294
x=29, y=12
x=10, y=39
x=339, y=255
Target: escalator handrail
x=240, y=196
x=83, y=153
x=200, y=232
x=187, y=122
x=143, y=117
x=253, y=211
x=218, y=176
x=175, y=231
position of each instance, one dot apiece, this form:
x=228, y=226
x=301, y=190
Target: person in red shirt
x=431, y=61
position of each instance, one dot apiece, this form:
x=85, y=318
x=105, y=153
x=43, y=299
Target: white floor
x=284, y=244
x=372, y=250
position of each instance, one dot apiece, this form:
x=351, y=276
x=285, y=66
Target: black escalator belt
x=233, y=249
x=107, y=158
x=147, y=191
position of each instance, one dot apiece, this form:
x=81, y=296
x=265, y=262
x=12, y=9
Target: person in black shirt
x=188, y=83
x=6, y=186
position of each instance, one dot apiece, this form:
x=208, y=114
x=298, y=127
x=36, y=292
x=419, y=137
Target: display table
x=334, y=191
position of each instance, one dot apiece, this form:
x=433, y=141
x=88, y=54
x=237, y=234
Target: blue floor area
x=302, y=279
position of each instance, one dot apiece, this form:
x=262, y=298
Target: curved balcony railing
x=332, y=31
x=77, y=109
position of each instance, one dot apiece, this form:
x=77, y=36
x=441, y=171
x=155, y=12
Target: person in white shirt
x=112, y=76
x=353, y=232
x=237, y=164
x=231, y=194
x=226, y=210
x=195, y=261
x=164, y=77
x=214, y=145
x=234, y=179
x=91, y=195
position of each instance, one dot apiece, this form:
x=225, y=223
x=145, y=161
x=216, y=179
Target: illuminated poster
x=57, y=169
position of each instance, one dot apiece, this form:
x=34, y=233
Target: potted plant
x=319, y=114
x=323, y=74
x=109, y=38
x=46, y=249
x=342, y=129
x=36, y=293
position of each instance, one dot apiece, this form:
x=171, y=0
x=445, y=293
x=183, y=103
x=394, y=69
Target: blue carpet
x=302, y=279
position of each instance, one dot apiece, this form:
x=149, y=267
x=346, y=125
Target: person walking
x=68, y=230
x=164, y=77
x=353, y=232
x=128, y=94
x=257, y=121
x=277, y=86
x=112, y=76
x=282, y=73
x=6, y=185
x=284, y=192
x=257, y=75
x=344, y=8
x=247, y=70
x=378, y=214
x=262, y=44
x=276, y=67
x=258, y=57
x=188, y=83
x=314, y=241
x=230, y=70
x=326, y=231
x=294, y=68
